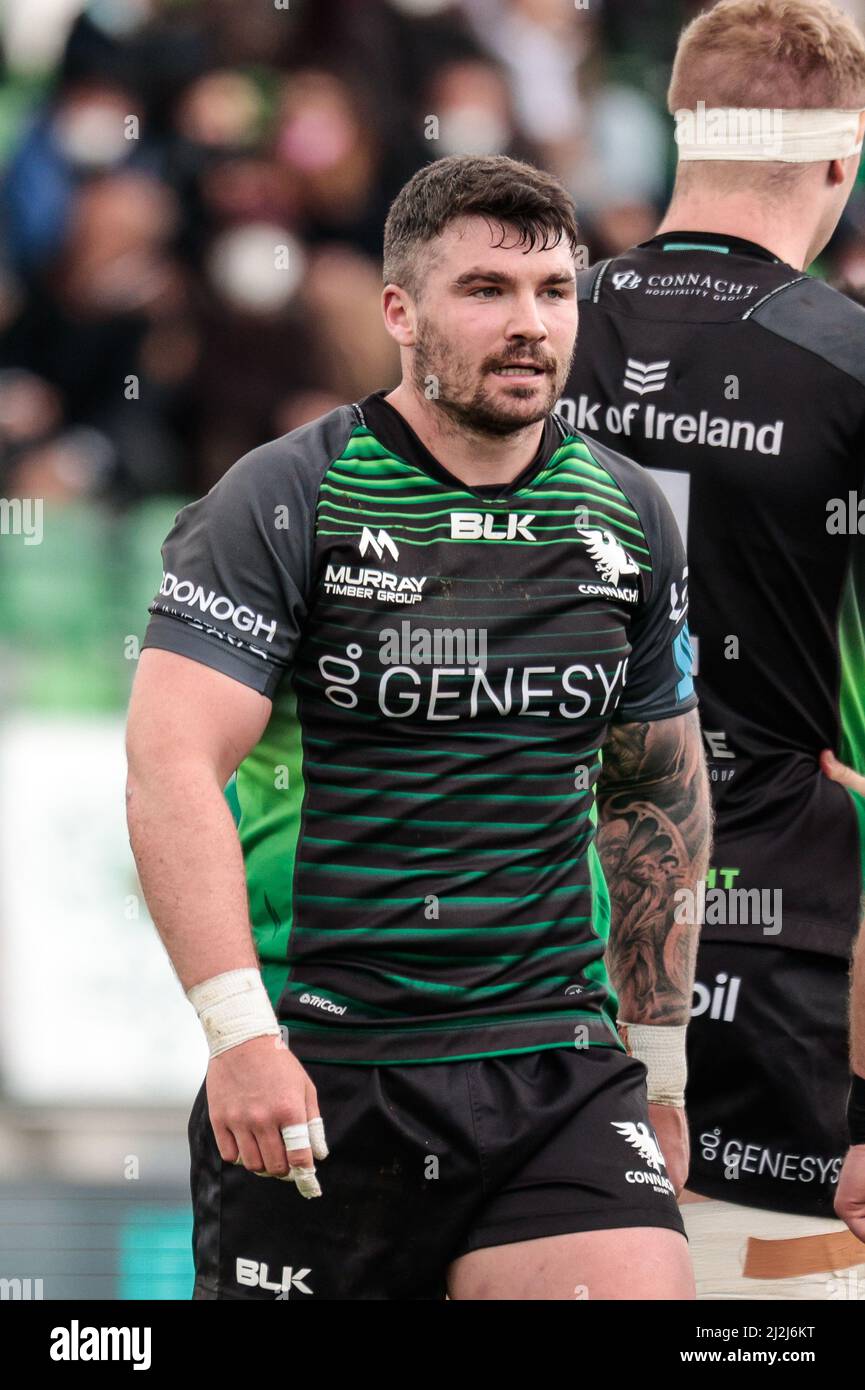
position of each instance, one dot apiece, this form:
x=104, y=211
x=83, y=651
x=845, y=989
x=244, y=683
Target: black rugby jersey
x=740, y=382
x=418, y=820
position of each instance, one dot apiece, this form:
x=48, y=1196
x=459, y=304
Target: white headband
x=765, y=133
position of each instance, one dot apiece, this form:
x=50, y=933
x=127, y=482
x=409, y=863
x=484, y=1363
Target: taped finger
x=317, y=1141
x=295, y=1137
x=307, y=1182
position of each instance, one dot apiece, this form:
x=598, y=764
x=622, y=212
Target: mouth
x=520, y=371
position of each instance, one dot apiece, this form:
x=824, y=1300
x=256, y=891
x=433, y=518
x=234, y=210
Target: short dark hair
x=504, y=191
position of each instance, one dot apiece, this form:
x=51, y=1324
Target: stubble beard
x=445, y=380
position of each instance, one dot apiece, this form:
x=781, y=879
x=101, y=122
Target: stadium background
x=193, y=193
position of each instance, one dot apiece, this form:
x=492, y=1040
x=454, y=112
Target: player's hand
x=264, y=1112
x=850, y=1196
x=671, y=1128
x=839, y=772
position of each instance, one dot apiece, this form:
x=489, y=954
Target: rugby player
x=401, y=636
x=711, y=357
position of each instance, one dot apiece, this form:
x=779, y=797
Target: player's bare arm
x=654, y=832
x=654, y=839
x=189, y=727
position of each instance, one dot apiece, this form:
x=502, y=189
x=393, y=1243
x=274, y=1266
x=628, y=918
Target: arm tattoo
x=654, y=831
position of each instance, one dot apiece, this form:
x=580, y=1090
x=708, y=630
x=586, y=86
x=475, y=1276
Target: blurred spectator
x=344, y=171
x=84, y=327
x=79, y=134
x=542, y=44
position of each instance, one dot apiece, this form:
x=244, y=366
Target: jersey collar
x=395, y=433
x=715, y=242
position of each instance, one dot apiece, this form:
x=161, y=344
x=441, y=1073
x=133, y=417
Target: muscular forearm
x=262, y=1106
x=190, y=864
x=654, y=824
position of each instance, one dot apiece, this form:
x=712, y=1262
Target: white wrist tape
x=662, y=1051
x=233, y=1008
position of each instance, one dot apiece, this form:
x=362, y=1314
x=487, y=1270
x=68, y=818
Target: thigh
x=640, y=1262
x=577, y=1188
x=381, y=1228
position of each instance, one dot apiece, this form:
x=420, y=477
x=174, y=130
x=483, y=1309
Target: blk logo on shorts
x=255, y=1276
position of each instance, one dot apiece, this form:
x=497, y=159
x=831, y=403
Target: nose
x=526, y=321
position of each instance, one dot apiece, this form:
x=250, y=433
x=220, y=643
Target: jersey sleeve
x=659, y=682
x=236, y=568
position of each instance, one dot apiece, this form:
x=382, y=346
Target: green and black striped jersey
x=418, y=820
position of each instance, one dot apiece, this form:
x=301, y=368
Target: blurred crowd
x=193, y=195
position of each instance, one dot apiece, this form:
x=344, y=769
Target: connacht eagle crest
x=610, y=556
x=640, y=1138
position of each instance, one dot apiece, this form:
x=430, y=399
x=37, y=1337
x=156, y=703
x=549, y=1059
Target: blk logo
x=476, y=526
x=255, y=1276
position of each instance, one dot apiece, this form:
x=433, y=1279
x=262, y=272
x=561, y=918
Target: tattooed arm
x=654, y=831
